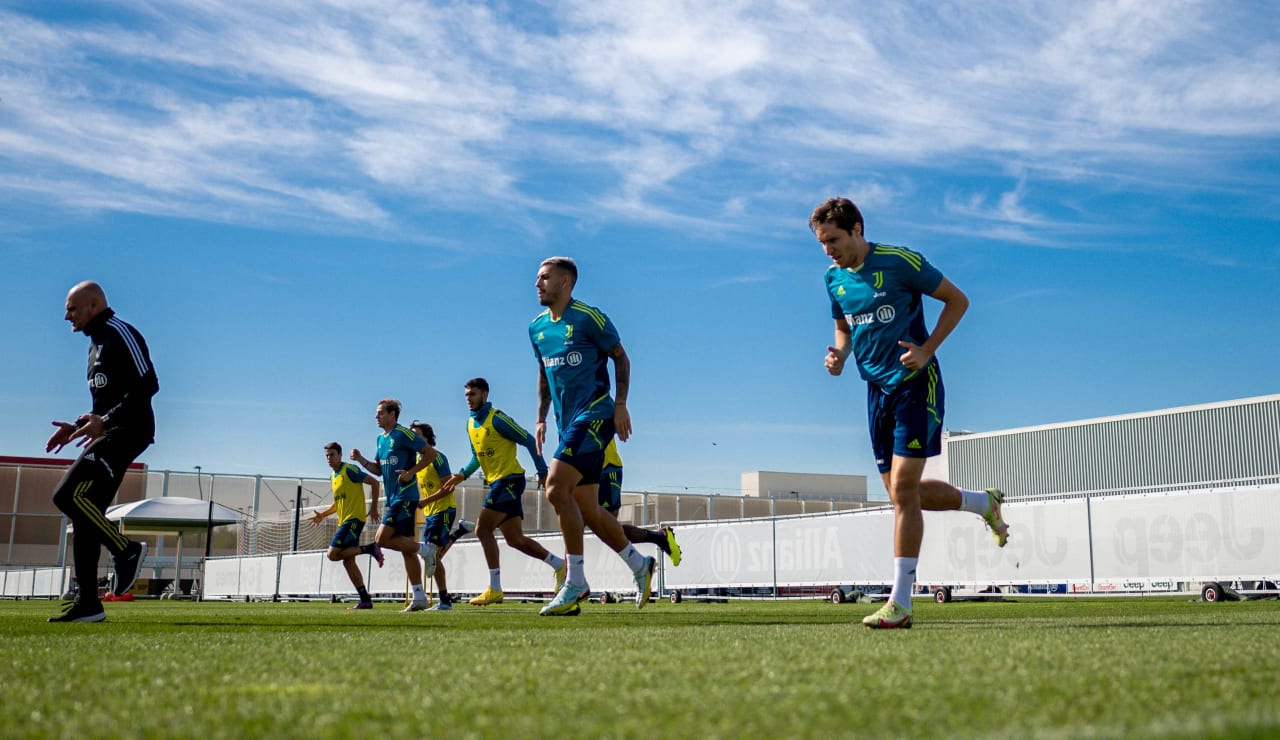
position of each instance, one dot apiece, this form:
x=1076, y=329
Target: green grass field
x=1032, y=668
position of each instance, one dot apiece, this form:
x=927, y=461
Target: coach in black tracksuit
x=121, y=425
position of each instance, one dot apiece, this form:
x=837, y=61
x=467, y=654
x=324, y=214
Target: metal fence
x=33, y=533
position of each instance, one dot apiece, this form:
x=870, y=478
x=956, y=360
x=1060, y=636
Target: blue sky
x=306, y=206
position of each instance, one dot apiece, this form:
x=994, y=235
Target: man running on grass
x=494, y=437
x=875, y=292
x=573, y=343
x=348, y=483
x=398, y=447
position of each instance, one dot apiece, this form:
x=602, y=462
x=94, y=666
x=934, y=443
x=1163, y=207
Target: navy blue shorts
x=611, y=488
x=582, y=445
x=908, y=421
x=401, y=516
x=436, y=529
x=506, y=495
x=348, y=534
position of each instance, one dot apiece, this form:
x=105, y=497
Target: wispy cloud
x=333, y=112
x=757, y=277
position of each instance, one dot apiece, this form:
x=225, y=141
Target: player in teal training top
x=573, y=343
x=398, y=462
x=876, y=300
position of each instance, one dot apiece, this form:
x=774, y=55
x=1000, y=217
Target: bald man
x=120, y=426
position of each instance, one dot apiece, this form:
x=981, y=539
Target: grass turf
x=1032, y=668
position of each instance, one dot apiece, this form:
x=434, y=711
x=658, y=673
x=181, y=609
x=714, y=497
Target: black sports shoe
x=128, y=566
x=76, y=611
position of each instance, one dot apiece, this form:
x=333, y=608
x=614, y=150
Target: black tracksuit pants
x=84, y=493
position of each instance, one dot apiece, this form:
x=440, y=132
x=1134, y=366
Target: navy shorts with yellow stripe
x=506, y=495
x=582, y=445
x=348, y=534
x=401, y=516
x=908, y=421
x=436, y=528
x=610, y=495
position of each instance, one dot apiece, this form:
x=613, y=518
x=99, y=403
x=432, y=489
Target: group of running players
x=875, y=292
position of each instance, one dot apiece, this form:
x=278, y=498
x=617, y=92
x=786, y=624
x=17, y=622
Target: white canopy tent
x=176, y=515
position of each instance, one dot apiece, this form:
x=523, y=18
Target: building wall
x=1228, y=441
x=30, y=524
x=771, y=484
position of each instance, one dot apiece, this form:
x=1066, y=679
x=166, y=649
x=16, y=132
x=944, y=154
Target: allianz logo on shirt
x=884, y=314
x=573, y=359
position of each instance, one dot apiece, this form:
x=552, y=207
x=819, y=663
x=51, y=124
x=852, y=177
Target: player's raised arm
x=622, y=387
x=365, y=462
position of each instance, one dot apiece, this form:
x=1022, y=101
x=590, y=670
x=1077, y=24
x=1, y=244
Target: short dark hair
x=564, y=263
x=478, y=383
x=423, y=428
x=335, y=447
x=390, y=405
x=839, y=211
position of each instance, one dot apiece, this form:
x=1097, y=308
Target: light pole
x=208, y=530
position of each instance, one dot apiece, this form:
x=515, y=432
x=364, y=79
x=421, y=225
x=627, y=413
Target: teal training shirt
x=573, y=356
x=397, y=450
x=880, y=300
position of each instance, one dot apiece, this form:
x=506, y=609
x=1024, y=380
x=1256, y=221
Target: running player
x=875, y=292
x=438, y=509
x=611, y=501
x=573, y=343
x=397, y=446
x=494, y=437
x=348, y=483
x=114, y=433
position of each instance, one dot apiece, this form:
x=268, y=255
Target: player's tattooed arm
x=622, y=386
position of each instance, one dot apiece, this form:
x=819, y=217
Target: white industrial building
x=804, y=486
x=1230, y=442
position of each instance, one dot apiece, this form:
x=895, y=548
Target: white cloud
x=289, y=110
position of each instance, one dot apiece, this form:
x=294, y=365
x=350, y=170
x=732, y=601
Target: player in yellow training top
x=348, y=483
x=437, y=510
x=494, y=437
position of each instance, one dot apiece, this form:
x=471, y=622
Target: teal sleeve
x=470, y=467
x=442, y=465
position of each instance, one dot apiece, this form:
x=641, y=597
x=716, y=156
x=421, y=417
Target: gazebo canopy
x=171, y=514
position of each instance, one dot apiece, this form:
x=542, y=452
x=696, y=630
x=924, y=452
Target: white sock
x=495, y=579
x=974, y=502
x=554, y=560
x=904, y=578
x=418, y=593
x=635, y=561
x=577, y=570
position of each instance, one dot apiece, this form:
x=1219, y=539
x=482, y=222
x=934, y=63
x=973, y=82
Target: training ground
x=1101, y=667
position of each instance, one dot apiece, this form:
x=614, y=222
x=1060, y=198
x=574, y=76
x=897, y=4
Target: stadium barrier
x=34, y=583
x=312, y=574
x=1150, y=542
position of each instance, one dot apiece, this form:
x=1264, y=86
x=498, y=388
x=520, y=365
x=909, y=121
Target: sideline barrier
x=35, y=583
x=1135, y=543
x=312, y=574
